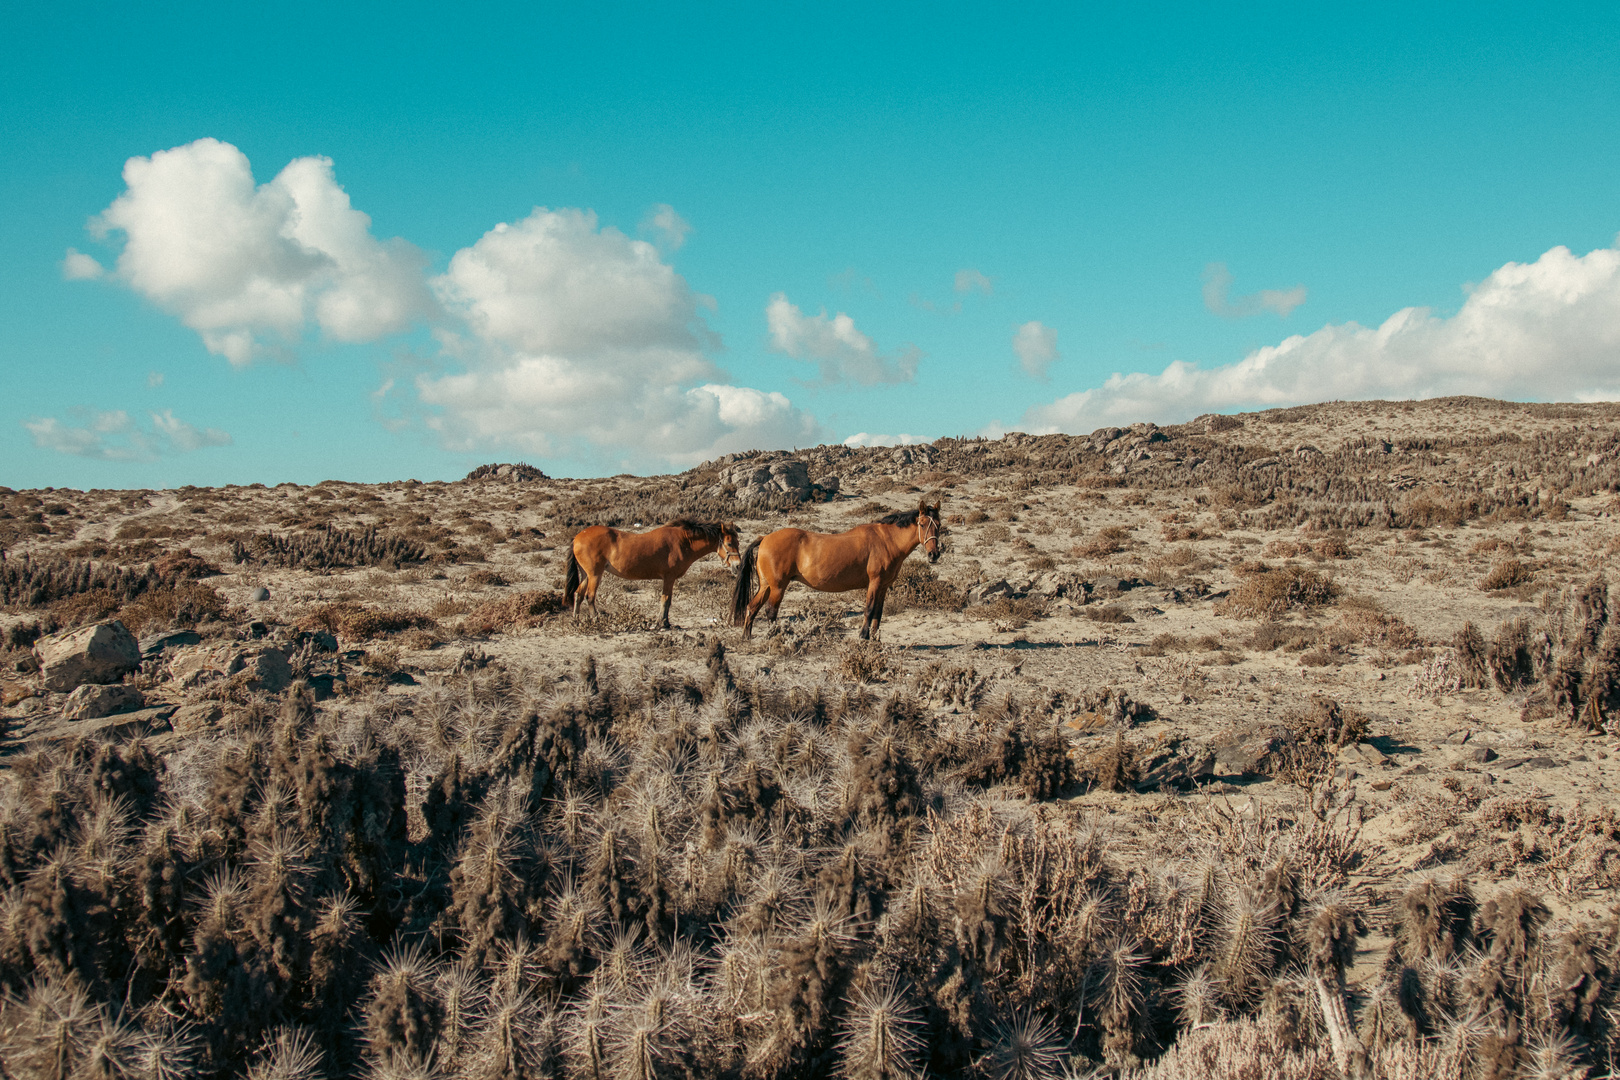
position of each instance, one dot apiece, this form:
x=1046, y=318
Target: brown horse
x=866, y=557
x=666, y=553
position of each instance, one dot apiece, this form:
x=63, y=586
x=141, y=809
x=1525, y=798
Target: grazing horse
x=666, y=553
x=866, y=557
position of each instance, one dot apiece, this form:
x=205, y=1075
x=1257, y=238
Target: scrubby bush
x=328, y=548
x=1270, y=593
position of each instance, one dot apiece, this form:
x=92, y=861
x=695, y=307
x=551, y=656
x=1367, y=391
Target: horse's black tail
x=744, y=588
x=571, y=585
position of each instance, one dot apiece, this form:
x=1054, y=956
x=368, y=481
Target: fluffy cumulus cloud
x=1218, y=296
x=835, y=346
x=1546, y=330
x=116, y=436
x=1036, y=346
x=251, y=266
x=577, y=337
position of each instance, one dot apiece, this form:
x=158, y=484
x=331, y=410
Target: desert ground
x=1281, y=744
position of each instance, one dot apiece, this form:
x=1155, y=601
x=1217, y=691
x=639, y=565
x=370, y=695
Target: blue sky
x=774, y=226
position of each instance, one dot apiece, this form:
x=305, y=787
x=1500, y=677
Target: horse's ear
x=922, y=505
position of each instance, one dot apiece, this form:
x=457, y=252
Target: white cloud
x=154, y=379
x=115, y=436
x=250, y=267
x=580, y=339
x=867, y=438
x=1036, y=346
x=77, y=266
x=1547, y=330
x=1218, y=298
x=835, y=345
x=671, y=229
x=970, y=280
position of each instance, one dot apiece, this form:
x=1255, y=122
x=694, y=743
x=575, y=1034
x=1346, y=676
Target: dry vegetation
x=1275, y=745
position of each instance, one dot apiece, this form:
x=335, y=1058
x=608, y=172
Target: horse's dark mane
x=709, y=530
x=902, y=518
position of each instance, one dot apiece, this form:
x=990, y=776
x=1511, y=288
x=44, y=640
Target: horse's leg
x=669, y=592
x=776, y=602
x=753, y=608
x=874, y=601
x=593, y=581
x=877, y=615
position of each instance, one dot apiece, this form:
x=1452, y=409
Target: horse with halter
x=866, y=557
x=665, y=553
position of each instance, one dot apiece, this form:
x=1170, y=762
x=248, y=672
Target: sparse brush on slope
x=328, y=548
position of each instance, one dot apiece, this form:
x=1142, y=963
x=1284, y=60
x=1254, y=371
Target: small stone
x=1381, y=785
x=259, y=595
x=1480, y=755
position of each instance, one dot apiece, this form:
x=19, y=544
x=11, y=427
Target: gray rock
x=1363, y=754
x=127, y=725
x=153, y=645
x=259, y=595
x=990, y=590
x=266, y=666
x=196, y=717
x=1177, y=766
x=103, y=653
x=1247, y=750
x=92, y=702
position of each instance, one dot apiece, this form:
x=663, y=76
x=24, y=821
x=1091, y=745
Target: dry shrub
x=1505, y=575
x=87, y=607
x=1113, y=767
x=1270, y=636
x=183, y=565
x=1361, y=626
x=487, y=577
x=1269, y=594
x=358, y=622
x=1110, y=613
x=328, y=548
x=1108, y=541
x=1327, y=723
x=1014, y=610
x=1331, y=548
x=182, y=604
x=918, y=587
x=514, y=613
x=864, y=661
x=30, y=582
x=975, y=517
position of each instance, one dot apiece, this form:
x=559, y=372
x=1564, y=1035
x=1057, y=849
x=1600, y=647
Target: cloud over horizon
x=113, y=435
x=576, y=334
x=839, y=350
x=556, y=337
x=1546, y=330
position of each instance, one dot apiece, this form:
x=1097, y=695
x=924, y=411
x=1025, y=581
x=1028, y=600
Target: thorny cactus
x=712, y=875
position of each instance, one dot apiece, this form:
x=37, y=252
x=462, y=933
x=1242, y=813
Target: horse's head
x=730, y=545
x=928, y=529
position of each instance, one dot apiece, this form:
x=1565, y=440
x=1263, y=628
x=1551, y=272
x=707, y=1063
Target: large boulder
x=103, y=653
x=266, y=665
x=92, y=701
